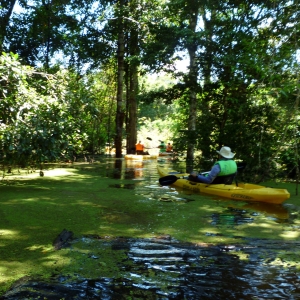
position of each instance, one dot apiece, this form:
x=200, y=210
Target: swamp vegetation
x=113, y=200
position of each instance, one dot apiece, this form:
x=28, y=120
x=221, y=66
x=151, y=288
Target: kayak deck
x=244, y=191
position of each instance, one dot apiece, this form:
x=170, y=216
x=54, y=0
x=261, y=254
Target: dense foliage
x=47, y=117
x=241, y=80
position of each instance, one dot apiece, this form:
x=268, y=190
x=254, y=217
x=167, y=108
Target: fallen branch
x=62, y=239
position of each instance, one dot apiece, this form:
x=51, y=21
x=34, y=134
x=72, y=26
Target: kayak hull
x=139, y=157
x=165, y=154
x=243, y=192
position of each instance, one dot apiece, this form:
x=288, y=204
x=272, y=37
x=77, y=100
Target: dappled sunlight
x=58, y=259
x=278, y=262
x=264, y=225
x=59, y=172
x=290, y=235
x=207, y=208
x=27, y=200
x=40, y=248
x=134, y=231
x=87, y=203
x=10, y=267
x=9, y=234
x=75, y=173
x=36, y=174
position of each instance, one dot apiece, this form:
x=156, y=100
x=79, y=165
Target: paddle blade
x=241, y=165
x=167, y=180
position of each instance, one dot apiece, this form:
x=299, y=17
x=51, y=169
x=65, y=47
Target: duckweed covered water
x=162, y=268
x=137, y=240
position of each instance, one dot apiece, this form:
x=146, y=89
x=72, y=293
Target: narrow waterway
x=165, y=268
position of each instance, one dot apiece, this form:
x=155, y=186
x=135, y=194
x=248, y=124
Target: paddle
x=168, y=180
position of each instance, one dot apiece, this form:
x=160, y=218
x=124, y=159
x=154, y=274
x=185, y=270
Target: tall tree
x=193, y=8
x=6, y=9
x=133, y=63
x=120, y=113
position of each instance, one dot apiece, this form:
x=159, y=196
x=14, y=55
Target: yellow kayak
x=165, y=153
x=244, y=191
x=139, y=157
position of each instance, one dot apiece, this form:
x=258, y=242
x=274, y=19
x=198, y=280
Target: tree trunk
x=207, y=71
x=133, y=90
x=192, y=85
x=120, y=113
x=132, y=111
x=4, y=19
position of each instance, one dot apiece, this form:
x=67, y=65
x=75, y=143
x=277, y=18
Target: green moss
x=88, y=260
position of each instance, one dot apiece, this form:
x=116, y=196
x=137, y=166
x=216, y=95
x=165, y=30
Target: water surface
x=203, y=266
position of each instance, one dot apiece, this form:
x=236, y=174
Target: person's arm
x=214, y=172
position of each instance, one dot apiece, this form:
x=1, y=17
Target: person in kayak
x=139, y=148
x=162, y=147
x=223, y=171
x=169, y=148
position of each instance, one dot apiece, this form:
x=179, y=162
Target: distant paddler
x=169, y=148
x=162, y=147
x=139, y=149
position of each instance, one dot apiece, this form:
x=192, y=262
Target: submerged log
x=62, y=239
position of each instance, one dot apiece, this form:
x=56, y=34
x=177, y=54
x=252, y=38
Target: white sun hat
x=226, y=152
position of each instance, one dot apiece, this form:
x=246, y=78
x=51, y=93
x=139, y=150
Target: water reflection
x=279, y=212
x=118, y=168
x=127, y=169
x=135, y=169
x=231, y=217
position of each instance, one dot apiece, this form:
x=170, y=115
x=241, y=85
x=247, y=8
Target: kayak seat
x=228, y=179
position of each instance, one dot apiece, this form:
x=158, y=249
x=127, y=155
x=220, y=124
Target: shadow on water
x=164, y=268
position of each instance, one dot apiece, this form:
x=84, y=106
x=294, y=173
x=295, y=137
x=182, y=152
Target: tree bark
x=5, y=15
x=192, y=85
x=207, y=71
x=133, y=90
x=120, y=113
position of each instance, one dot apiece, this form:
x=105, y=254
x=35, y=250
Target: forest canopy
x=76, y=75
